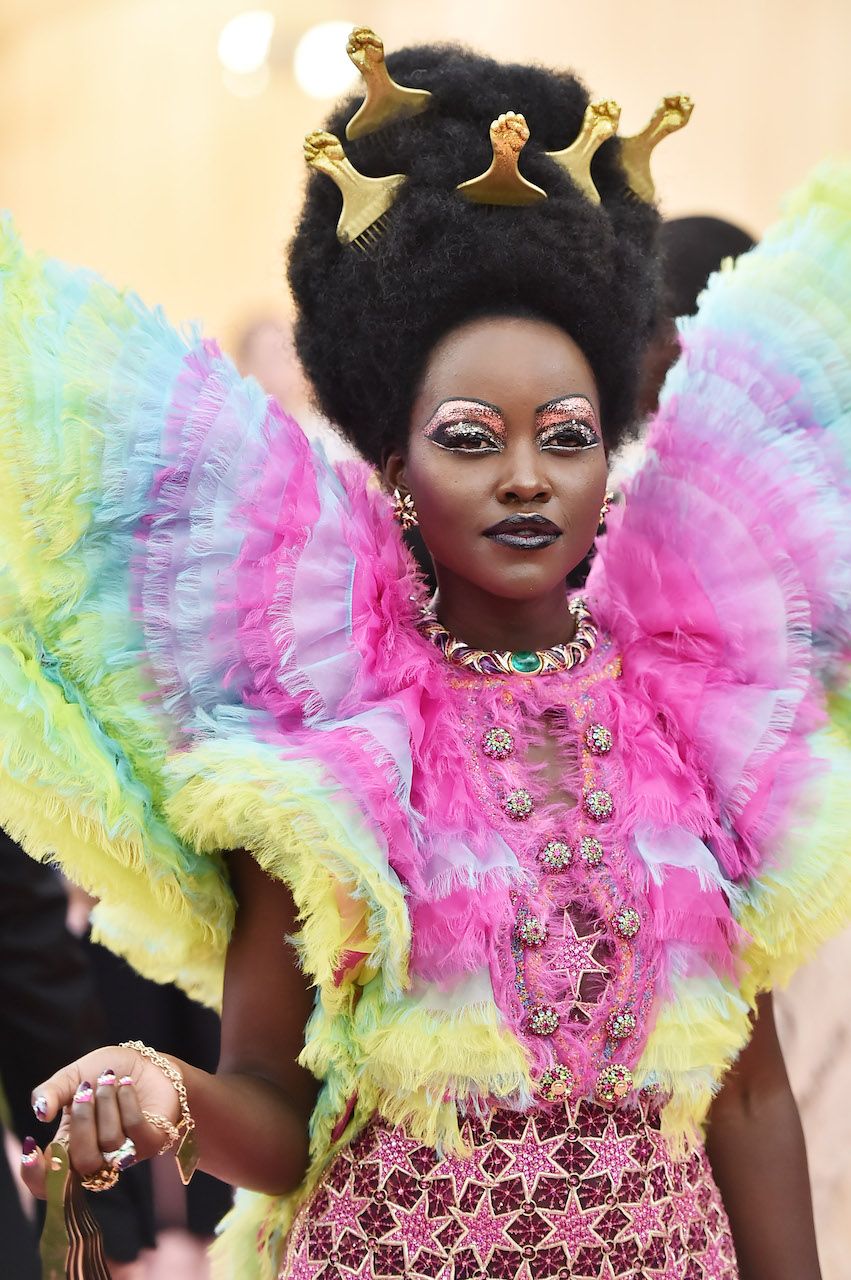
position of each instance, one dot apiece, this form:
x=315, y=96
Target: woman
x=545, y=858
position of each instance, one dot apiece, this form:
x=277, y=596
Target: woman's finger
x=49, y=1098
x=110, y=1134
x=83, y=1148
x=146, y=1138
x=32, y=1168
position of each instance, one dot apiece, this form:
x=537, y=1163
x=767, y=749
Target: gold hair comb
x=670, y=115
x=502, y=182
x=599, y=123
x=385, y=100
x=365, y=200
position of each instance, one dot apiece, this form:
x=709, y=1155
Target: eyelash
x=585, y=434
x=454, y=433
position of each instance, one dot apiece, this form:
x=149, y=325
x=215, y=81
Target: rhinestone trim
x=518, y=804
x=598, y=805
x=599, y=739
x=591, y=851
x=497, y=743
x=556, y=855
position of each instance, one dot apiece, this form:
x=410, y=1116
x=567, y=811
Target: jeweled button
x=556, y=855
x=621, y=1024
x=526, y=663
x=531, y=930
x=543, y=1020
x=591, y=851
x=627, y=922
x=598, y=739
x=518, y=804
x=497, y=743
x=556, y=1083
x=598, y=805
x=614, y=1082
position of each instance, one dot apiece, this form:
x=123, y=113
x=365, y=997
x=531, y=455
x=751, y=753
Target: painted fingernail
x=29, y=1151
x=107, y=1077
x=40, y=1106
x=84, y=1093
x=126, y=1080
x=128, y=1158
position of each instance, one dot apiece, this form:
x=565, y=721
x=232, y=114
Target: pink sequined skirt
x=592, y=1193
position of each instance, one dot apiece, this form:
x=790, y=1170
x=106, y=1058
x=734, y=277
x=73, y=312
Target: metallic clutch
x=71, y=1244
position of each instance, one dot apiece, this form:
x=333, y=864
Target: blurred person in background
x=691, y=249
x=543, y=857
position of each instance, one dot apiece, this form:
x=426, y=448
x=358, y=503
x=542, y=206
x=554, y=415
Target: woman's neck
x=485, y=621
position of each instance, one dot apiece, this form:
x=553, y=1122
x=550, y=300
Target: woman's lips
x=525, y=532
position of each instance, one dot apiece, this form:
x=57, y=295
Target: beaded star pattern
x=583, y=1191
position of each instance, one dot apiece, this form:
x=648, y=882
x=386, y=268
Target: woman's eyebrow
x=459, y=400
x=560, y=400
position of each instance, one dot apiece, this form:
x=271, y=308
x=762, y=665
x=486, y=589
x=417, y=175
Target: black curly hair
x=366, y=321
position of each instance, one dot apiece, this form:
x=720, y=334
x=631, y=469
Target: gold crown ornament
x=599, y=123
x=384, y=100
x=502, y=182
x=365, y=200
x=671, y=115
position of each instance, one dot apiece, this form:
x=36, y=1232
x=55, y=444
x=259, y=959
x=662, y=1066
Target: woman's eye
x=569, y=435
x=466, y=437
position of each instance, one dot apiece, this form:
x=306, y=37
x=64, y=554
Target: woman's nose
x=524, y=477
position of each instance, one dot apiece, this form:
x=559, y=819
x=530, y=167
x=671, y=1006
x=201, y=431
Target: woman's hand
x=102, y=1097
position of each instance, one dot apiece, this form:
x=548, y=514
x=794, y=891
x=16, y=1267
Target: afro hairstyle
x=366, y=321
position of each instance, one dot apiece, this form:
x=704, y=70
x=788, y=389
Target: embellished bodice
x=572, y=957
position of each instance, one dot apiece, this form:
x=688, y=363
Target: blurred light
x=250, y=85
x=322, y=67
x=244, y=41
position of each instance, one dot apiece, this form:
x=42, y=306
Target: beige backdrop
x=120, y=146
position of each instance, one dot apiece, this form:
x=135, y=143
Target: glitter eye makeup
x=468, y=426
x=571, y=420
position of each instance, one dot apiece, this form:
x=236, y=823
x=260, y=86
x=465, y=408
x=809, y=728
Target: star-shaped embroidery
x=391, y=1151
x=646, y=1221
x=343, y=1212
x=612, y=1154
x=416, y=1230
x=364, y=1271
x=571, y=1226
x=483, y=1230
x=716, y=1258
x=463, y=1169
x=572, y=958
x=530, y=1157
x=304, y=1269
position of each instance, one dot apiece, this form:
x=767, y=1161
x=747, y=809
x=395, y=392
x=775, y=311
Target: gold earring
x=607, y=502
x=404, y=510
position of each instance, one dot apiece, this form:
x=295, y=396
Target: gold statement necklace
x=509, y=662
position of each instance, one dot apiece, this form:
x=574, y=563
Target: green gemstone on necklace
x=525, y=662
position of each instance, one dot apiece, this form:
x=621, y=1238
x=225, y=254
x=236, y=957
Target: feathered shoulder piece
x=177, y=604
x=726, y=578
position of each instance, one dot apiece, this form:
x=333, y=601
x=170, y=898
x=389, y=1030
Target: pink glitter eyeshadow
x=562, y=410
x=475, y=412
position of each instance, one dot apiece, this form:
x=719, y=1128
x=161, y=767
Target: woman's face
x=505, y=460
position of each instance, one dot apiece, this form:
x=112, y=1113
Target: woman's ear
x=393, y=472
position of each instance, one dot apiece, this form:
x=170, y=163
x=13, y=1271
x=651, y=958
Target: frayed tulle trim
x=303, y=830
x=164, y=908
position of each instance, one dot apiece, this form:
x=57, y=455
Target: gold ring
x=103, y=1179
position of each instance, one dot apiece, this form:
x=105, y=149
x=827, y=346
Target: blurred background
x=160, y=142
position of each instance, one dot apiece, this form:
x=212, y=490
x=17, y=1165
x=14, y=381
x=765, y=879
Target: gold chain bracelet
x=187, y=1151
